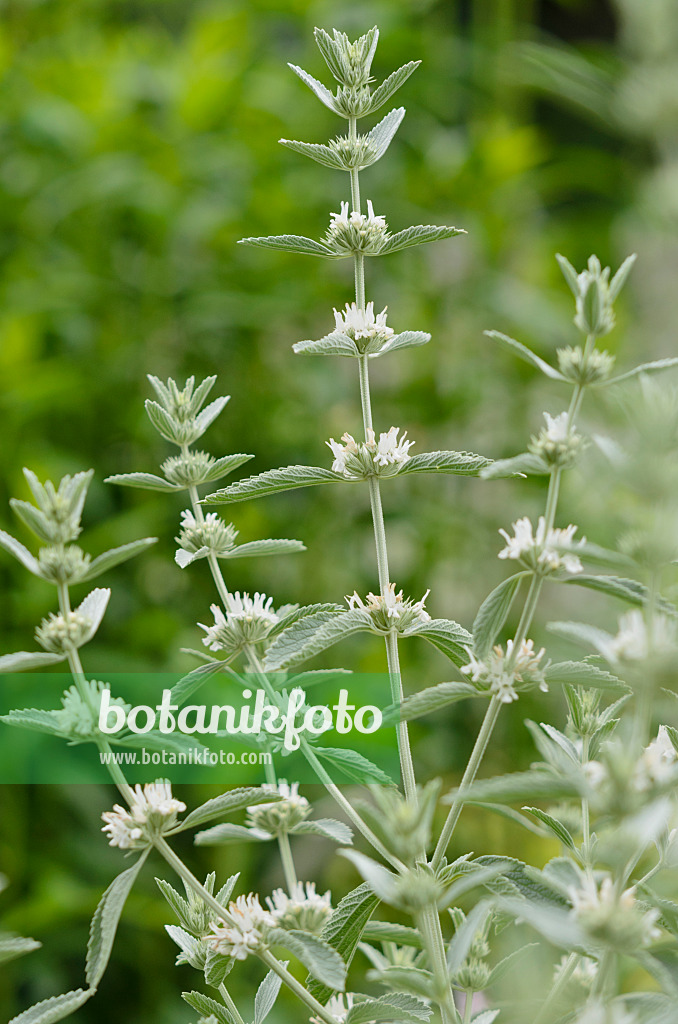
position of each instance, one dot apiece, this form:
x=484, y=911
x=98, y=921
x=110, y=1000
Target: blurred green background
x=138, y=142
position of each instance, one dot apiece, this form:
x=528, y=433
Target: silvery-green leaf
x=192, y=682
x=323, y=94
x=397, y=78
x=569, y=273
x=582, y=673
x=653, y=367
x=331, y=54
x=21, y=553
x=187, y=943
x=162, y=421
x=556, y=924
x=318, y=956
x=631, y=591
x=485, y=1017
x=258, y=548
x=33, y=518
x=462, y=940
x=475, y=875
x=394, y=1008
x=105, y=922
x=334, y=344
x=458, y=463
x=417, y=235
x=267, y=993
x=227, y=464
x=321, y=154
x=208, y=1008
x=527, y=354
x=407, y=339
x=493, y=613
x=55, y=1008
x=271, y=482
x=226, y=803
x=433, y=698
x=525, y=464
x=293, y=243
x=175, y=742
x=208, y=415
x=36, y=720
x=228, y=833
x=306, y=611
x=295, y=646
x=217, y=967
x=337, y=831
x=511, y=815
x=382, y=133
x=343, y=930
x=619, y=279
x=449, y=637
x=384, y=883
x=581, y=632
x=93, y=608
x=13, y=946
x=310, y=678
x=109, y=559
x=414, y=980
x=536, y=784
x=23, y=660
x=146, y=481
x=179, y=905
x=553, y=825
x=387, y=931
x=354, y=765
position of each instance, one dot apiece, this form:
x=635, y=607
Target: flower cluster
x=188, y=468
x=303, y=908
x=611, y=917
x=248, y=620
x=58, y=632
x=201, y=537
x=359, y=152
x=178, y=414
x=246, y=930
x=355, y=232
x=79, y=717
x=390, y=610
x=362, y=326
x=152, y=811
x=557, y=443
x=358, y=460
x=283, y=814
x=657, y=763
x=592, y=368
x=501, y=671
x=632, y=641
x=63, y=564
x=543, y=551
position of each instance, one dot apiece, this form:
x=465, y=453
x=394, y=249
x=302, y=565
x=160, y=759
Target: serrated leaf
x=386, y=931
x=337, y=831
x=475, y=874
x=354, y=765
x=526, y=464
x=554, y=826
x=36, y=720
x=391, y=84
x=53, y=1009
x=105, y=922
x=407, y=339
x=418, y=234
x=223, y=466
x=485, y=1017
x=631, y=591
x=334, y=344
x=582, y=673
x=14, y=946
x=217, y=967
x=21, y=553
x=311, y=678
x=220, y=835
x=384, y=883
x=449, y=637
x=343, y=931
x=493, y=614
x=33, y=518
x=23, y=660
x=192, y=682
x=267, y=993
x=526, y=354
x=653, y=367
x=208, y=415
x=321, y=959
x=536, y=784
x=145, y=481
x=272, y=482
x=374, y=1011
x=261, y=548
x=292, y=649
x=226, y=803
x=208, y=1007
x=304, y=611
x=109, y=559
x=315, y=151
x=293, y=243
x=457, y=463
x=433, y=698
x=162, y=421
x=323, y=94
x=382, y=134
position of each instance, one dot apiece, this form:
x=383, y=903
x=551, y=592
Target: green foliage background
x=138, y=143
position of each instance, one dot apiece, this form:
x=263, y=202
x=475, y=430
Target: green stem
x=560, y=984
x=429, y=927
x=585, y=816
x=230, y=1005
x=297, y=987
x=287, y=861
x=468, y=1005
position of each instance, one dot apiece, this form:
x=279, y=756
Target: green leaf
x=569, y=273
x=554, y=826
x=526, y=464
x=146, y=481
x=21, y=553
x=208, y=1007
x=555, y=923
x=23, y=660
x=318, y=956
x=582, y=673
x=36, y=720
x=354, y=765
x=457, y=463
x=384, y=883
x=536, y=784
x=227, y=803
x=223, y=466
x=221, y=835
x=386, y=931
x=417, y=235
x=631, y=591
x=55, y=1008
x=33, y=518
x=343, y=931
x=291, y=649
x=109, y=559
x=406, y=979
x=208, y=415
x=321, y=154
x=192, y=682
x=493, y=614
x=267, y=993
x=217, y=967
x=259, y=548
x=648, y=1007
x=408, y=339
x=391, y=84
x=511, y=815
x=462, y=940
x=433, y=698
x=337, y=831
x=476, y=874
x=377, y=1010
x=509, y=962
x=14, y=946
x=323, y=94
x=272, y=482
x=163, y=422
x=311, y=678
x=334, y=344
x=382, y=134
x=305, y=611
x=448, y=636
x=105, y=922
x=525, y=353
x=653, y=367
x=292, y=243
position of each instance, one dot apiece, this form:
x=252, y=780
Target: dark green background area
x=138, y=143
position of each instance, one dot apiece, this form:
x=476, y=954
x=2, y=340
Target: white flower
x=153, y=807
x=247, y=620
x=391, y=606
x=657, y=764
x=342, y=452
x=199, y=537
x=282, y=814
x=361, y=323
x=357, y=460
x=595, y=773
x=631, y=641
x=390, y=450
x=246, y=931
x=619, y=918
x=502, y=671
x=303, y=908
x=556, y=427
x=338, y=1007
x=546, y=550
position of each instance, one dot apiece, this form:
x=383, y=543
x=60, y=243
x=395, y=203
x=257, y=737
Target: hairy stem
x=230, y=1005
x=563, y=978
x=287, y=861
x=429, y=926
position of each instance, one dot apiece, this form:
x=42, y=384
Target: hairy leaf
x=272, y=482
x=343, y=931
x=417, y=235
x=525, y=353
x=318, y=956
x=105, y=922
x=457, y=463
x=493, y=613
